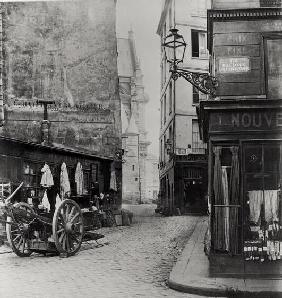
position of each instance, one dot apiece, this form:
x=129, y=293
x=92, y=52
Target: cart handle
x=8, y=200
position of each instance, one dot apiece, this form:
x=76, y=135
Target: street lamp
x=174, y=47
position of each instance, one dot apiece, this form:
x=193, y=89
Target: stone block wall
x=64, y=51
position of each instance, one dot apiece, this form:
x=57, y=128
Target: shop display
x=264, y=230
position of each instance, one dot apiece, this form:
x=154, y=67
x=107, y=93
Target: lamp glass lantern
x=174, y=46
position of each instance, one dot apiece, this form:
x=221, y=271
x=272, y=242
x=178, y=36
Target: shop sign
x=270, y=3
x=246, y=120
x=234, y=65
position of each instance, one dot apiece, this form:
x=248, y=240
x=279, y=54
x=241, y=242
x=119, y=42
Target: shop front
x=245, y=176
x=25, y=162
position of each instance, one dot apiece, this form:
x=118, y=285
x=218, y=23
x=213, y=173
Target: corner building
x=183, y=159
x=243, y=129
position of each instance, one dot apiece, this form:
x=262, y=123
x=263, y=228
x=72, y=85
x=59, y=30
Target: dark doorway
x=194, y=196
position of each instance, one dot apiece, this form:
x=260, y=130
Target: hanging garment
x=217, y=181
x=47, y=178
x=64, y=181
x=45, y=202
x=58, y=201
x=271, y=201
x=219, y=242
x=255, y=202
x=113, y=182
x=234, y=176
x=79, y=179
x=225, y=209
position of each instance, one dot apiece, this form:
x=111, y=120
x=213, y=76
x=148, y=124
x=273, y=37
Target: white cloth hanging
x=64, y=181
x=58, y=201
x=271, y=201
x=79, y=178
x=47, y=178
x=255, y=202
x=226, y=209
x=113, y=181
x=45, y=202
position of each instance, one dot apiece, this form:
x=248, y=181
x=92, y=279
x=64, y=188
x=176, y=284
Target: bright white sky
x=143, y=17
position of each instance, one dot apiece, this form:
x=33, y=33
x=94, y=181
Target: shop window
x=274, y=67
x=199, y=44
x=262, y=202
x=226, y=199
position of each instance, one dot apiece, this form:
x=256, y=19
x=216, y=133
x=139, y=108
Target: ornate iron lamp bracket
x=204, y=82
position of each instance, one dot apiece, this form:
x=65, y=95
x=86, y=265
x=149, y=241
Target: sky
x=143, y=17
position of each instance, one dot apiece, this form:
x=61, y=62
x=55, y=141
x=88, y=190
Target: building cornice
x=239, y=14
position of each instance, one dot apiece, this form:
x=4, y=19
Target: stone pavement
x=133, y=262
x=191, y=274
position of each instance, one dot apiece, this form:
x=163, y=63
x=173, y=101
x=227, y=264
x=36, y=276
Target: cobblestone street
x=133, y=262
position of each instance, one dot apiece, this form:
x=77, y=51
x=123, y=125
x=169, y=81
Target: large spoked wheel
x=17, y=229
x=68, y=227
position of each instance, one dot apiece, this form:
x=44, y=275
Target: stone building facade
x=66, y=52
x=134, y=134
x=183, y=162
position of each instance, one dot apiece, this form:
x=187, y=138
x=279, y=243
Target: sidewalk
x=191, y=274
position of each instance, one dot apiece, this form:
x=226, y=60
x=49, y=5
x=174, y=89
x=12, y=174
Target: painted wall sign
x=246, y=121
x=270, y=3
x=233, y=65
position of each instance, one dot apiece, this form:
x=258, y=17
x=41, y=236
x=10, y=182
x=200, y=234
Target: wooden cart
x=29, y=231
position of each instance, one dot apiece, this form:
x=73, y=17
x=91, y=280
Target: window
x=197, y=145
x=170, y=97
x=133, y=167
x=196, y=96
x=199, y=44
x=274, y=68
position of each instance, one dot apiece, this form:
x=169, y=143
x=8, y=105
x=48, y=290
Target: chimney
x=45, y=124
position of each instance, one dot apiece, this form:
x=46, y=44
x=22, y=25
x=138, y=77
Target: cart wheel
x=68, y=227
x=18, y=232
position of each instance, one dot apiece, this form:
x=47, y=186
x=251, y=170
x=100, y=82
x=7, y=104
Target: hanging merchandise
x=225, y=209
x=264, y=226
x=271, y=205
x=45, y=202
x=47, y=178
x=58, y=201
x=255, y=202
x=79, y=179
x=64, y=182
x=113, y=181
